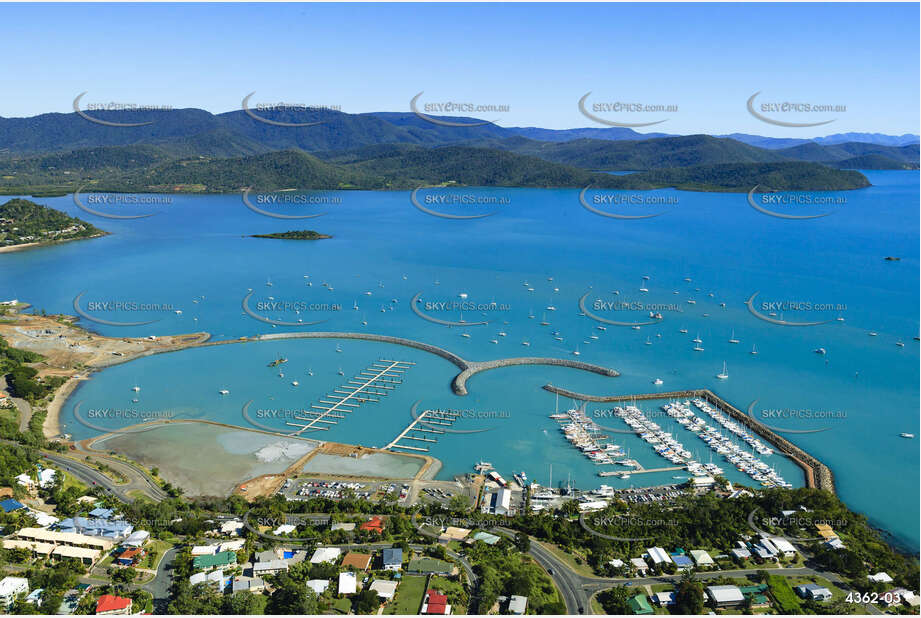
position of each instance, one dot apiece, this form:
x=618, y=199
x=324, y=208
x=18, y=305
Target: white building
x=325, y=554
x=12, y=587
x=348, y=583
x=880, y=577
x=319, y=586
x=384, y=588
x=724, y=596
x=701, y=557
x=658, y=555
x=517, y=604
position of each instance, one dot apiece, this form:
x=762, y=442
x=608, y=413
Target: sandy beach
x=52, y=425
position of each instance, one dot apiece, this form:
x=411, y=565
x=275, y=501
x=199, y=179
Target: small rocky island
x=294, y=235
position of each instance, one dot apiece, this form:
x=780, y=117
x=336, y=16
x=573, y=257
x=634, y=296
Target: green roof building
x=640, y=604
x=220, y=559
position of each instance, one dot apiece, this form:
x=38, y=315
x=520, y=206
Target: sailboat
x=576, y=351
x=543, y=320
x=723, y=374
x=648, y=342
x=697, y=339
x=683, y=331
x=754, y=351
x=643, y=287
x=732, y=337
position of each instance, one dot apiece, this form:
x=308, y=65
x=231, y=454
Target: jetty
x=817, y=474
x=423, y=428
x=368, y=386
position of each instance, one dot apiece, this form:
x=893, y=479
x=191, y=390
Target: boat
x=551, y=308
x=310, y=372
x=643, y=287
x=698, y=348
x=754, y=351
x=732, y=337
x=338, y=349
x=576, y=352
x=657, y=381
x=697, y=339
x=136, y=389
x=493, y=341
x=900, y=344
x=648, y=342
x=178, y=311
x=691, y=301
x=873, y=333
x=683, y=331
x=224, y=391
x=482, y=466
x=295, y=383
x=819, y=351
x=543, y=321
x=724, y=374
x=601, y=328
x=526, y=342
x=907, y=435
x=465, y=335
x=278, y=361
x=340, y=372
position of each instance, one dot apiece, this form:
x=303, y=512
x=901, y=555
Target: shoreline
x=52, y=426
x=47, y=243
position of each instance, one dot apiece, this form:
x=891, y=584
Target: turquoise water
x=195, y=249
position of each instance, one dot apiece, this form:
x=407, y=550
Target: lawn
x=786, y=599
x=582, y=569
x=454, y=590
x=409, y=595
x=154, y=546
x=343, y=606
x=70, y=481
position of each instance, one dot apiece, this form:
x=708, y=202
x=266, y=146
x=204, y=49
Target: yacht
x=465, y=335
x=340, y=372
x=648, y=342
x=900, y=344
x=907, y=435
x=493, y=341
x=683, y=331
x=657, y=381
x=754, y=351
x=526, y=342
x=732, y=337
x=543, y=321
x=310, y=372
x=224, y=391
x=551, y=308
x=576, y=352
x=136, y=389
x=502, y=333
x=698, y=348
x=601, y=327
x=724, y=374
x=691, y=301
x=295, y=383
x=643, y=288
x=820, y=351
x=338, y=348
x=873, y=333
x=697, y=339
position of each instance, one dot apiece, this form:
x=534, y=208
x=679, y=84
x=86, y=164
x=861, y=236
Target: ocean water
x=862, y=393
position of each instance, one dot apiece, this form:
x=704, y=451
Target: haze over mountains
x=192, y=147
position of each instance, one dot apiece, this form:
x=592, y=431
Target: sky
x=537, y=59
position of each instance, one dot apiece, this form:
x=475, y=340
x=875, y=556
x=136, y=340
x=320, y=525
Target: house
x=137, y=539
x=701, y=558
x=489, y=539
x=271, y=567
x=658, y=555
x=682, y=562
x=783, y=546
x=384, y=588
x=375, y=524
x=36, y=550
x=741, y=553
x=26, y=481
x=664, y=599
x=110, y=605
x=69, y=539
x=763, y=552
x=115, y=529
x=214, y=577
x=218, y=560
x=435, y=603
x=725, y=596
x=452, y=533
x=101, y=512
x=284, y=529
x=248, y=584
x=616, y=563
x=129, y=557
x=235, y=545
x=43, y=520
x=12, y=587
x=639, y=604
x=880, y=577
x=756, y=594
x=835, y=543
x=814, y=592
x=346, y=526
x=231, y=527
x=46, y=478
x=325, y=554
x=424, y=564
x=640, y=565
x=205, y=550
x=348, y=584
x=35, y=597
x=392, y=559
x=517, y=604
x=319, y=586
x=9, y=505
x=354, y=560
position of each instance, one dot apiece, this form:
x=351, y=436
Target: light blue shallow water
x=195, y=248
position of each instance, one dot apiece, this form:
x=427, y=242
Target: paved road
x=159, y=586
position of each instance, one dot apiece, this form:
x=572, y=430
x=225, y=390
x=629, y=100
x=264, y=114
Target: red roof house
x=110, y=604
x=374, y=524
x=435, y=603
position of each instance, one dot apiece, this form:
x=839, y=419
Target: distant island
x=26, y=224
x=294, y=235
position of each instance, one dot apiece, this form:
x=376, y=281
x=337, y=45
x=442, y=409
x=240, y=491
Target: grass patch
x=568, y=559
x=343, y=606
x=786, y=599
x=408, y=598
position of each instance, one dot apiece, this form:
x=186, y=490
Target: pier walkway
x=427, y=424
x=367, y=386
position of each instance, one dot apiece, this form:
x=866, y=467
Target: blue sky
x=538, y=59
